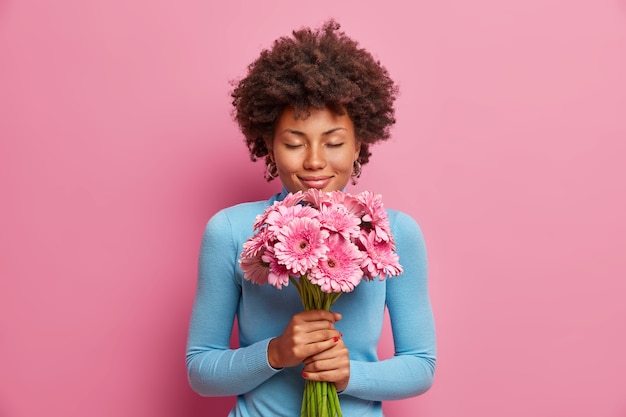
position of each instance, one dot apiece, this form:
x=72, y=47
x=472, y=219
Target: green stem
x=295, y=284
x=320, y=399
x=312, y=400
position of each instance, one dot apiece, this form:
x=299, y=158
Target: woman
x=311, y=106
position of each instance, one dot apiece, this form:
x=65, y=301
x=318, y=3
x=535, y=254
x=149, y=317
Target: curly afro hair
x=315, y=69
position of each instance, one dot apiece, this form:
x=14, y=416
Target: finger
x=331, y=375
x=321, y=366
x=329, y=350
x=322, y=326
x=316, y=315
x=303, y=345
x=315, y=343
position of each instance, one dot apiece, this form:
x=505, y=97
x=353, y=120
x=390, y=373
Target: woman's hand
x=332, y=365
x=308, y=334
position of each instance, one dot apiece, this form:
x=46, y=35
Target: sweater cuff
x=357, y=383
x=258, y=360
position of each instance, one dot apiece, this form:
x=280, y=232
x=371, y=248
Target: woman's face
x=316, y=152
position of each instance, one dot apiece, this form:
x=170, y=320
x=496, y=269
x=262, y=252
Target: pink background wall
x=116, y=146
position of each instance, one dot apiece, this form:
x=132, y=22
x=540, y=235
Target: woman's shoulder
x=245, y=209
x=239, y=215
x=400, y=218
x=404, y=226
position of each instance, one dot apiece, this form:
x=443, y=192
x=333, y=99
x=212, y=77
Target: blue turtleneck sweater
x=262, y=312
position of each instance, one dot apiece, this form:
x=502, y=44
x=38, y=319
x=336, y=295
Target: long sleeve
x=411, y=370
x=213, y=368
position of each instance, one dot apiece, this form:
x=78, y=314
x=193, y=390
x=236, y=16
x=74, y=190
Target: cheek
x=285, y=163
x=344, y=163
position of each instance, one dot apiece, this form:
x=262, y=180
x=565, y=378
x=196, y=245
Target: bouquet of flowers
x=325, y=244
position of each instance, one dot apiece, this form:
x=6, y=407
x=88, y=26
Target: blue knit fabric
x=262, y=312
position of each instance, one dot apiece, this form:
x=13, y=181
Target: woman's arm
x=213, y=368
x=411, y=370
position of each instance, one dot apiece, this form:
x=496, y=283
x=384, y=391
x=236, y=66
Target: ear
x=270, y=149
x=357, y=150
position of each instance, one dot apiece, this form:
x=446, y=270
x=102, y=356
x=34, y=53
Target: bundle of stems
x=320, y=398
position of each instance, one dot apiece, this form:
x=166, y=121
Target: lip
x=316, y=182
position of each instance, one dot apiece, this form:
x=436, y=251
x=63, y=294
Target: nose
x=315, y=158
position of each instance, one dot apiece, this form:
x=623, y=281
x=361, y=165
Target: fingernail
x=340, y=334
x=336, y=339
x=303, y=374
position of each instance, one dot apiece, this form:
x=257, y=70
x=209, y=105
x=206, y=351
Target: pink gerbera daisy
x=254, y=268
x=292, y=199
x=255, y=244
x=336, y=218
x=350, y=202
x=340, y=270
x=380, y=259
x=315, y=197
x=285, y=214
x=278, y=274
x=260, y=220
x=375, y=217
x=300, y=244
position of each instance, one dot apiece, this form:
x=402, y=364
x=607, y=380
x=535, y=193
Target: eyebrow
x=299, y=133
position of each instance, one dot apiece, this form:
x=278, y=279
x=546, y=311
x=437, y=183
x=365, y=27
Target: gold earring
x=356, y=169
x=271, y=171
